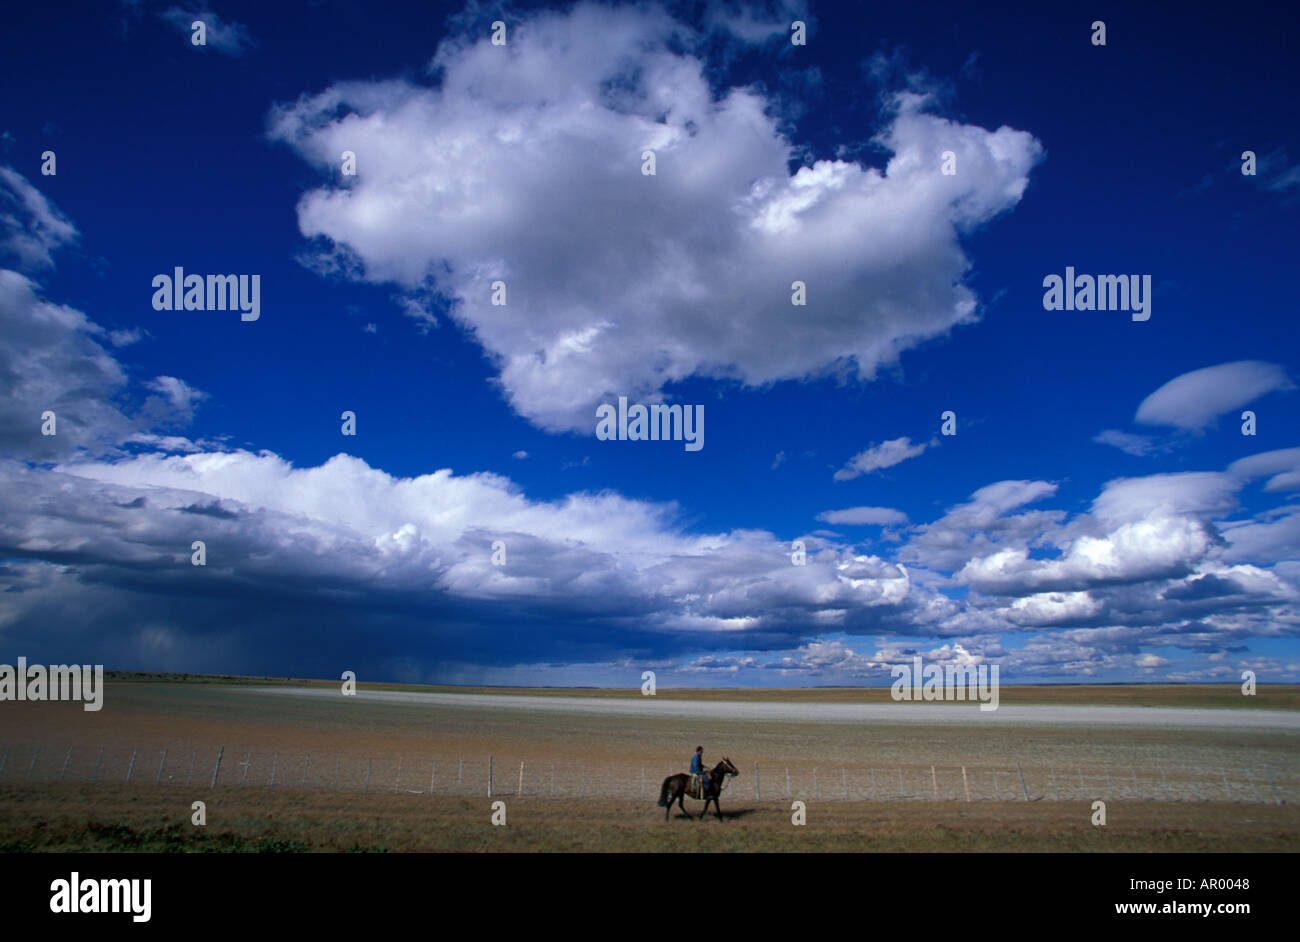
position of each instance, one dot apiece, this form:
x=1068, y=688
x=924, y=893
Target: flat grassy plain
x=271, y=798
x=110, y=818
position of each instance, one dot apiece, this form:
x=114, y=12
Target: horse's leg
x=669, y=806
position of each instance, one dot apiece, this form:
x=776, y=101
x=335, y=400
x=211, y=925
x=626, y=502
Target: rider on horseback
x=697, y=768
x=698, y=784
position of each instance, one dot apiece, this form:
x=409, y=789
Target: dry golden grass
x=145, y=818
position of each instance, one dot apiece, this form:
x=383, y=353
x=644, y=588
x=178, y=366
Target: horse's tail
x=663, y=793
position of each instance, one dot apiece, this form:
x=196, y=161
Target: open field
x=122, y=818
x=311, y=769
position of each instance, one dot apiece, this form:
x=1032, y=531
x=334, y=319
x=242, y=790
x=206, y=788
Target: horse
x=674, y=789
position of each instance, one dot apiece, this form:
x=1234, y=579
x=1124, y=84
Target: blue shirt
x=697, y=765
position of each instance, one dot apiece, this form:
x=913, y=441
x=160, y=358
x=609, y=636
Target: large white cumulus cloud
x=523, y=163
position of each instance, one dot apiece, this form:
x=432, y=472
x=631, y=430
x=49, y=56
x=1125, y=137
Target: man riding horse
x=712, y=781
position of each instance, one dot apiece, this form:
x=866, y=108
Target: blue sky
x=1098, y=516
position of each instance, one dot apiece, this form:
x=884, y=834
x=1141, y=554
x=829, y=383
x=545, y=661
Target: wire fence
x=504, y=776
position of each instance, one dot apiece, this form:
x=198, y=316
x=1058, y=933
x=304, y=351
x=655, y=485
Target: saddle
x=695, y=788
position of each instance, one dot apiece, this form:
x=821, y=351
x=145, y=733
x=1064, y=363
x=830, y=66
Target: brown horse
x=674, y=789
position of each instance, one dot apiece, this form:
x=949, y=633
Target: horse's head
x=727, y=768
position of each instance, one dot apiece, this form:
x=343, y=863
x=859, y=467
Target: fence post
x=275, y=760
x=997, y=792
x=787, y=782
x=459, y=769
x=161, y=762
x=757, y=795
x=129, y=769
x=432, y=775
x=520, y=791
x=397, y=782
x=934, y=783
x=900, y=782
x=338, y=761
x=817, y=793
x=68, y=758
x=489, y=776
x=1164, y=785
x=1276, y=794
x=964, y=784
x=31, y=767
x=873, y=784
x=552, y=779
x=369, y=763
x=217, y=768
x=1227, y=792
x=305, y=766
x=1023, y=786
x=248, y=760
x=1057, y=788
x=844, y=780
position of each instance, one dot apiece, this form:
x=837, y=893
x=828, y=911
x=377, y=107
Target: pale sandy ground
x=930, y=714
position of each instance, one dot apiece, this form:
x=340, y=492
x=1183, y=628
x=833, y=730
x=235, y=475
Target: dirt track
x=929, y=714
